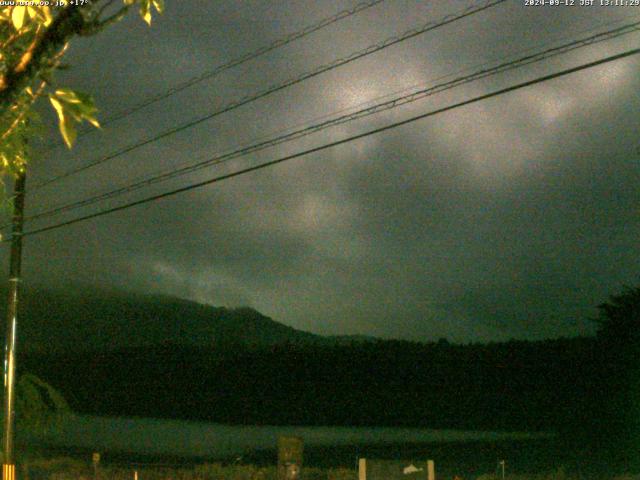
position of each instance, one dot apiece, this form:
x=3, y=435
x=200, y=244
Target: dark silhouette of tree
x=616, y=381
x=619, y=320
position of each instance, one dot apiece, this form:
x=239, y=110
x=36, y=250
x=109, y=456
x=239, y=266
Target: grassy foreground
x=66, y=468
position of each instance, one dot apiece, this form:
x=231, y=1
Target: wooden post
x=289, y=457
x=95, y=459
x=362, y=469
x=431, y=469
x=9, y=467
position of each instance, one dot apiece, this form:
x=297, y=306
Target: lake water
x=178, y=438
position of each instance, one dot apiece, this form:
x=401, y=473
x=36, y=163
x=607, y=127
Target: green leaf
x=46, y=13
x=83, y=99
x=93, y=121
x=41, y=13
x=17, y=16
x=145, y=11
x=65, y=122
x=85, y=108
x=72, y=107
x=159, y=5
x=67, y=95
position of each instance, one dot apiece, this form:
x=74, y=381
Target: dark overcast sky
x=513, y=217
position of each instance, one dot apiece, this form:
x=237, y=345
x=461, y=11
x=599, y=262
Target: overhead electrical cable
x=326, y=146
x=278, y=43
x=414, y=32
x=308, y=130
x=416, y=86
x=391, y=94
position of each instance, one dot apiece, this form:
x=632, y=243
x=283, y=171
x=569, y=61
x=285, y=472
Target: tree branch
x=24, y=111
x=116, y=17
x=94, y=26
x=10, y=40
x=104, y=8
x=67, y=23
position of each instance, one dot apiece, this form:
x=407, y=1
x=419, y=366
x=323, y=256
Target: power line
x=352, y=116
x=338, y=142
x=278, y=43
x=446, y=20
x=387, y=105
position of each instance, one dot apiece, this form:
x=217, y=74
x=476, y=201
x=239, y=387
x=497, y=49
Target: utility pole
x=8, y=464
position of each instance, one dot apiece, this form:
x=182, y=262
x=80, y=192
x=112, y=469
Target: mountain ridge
x=94, y=320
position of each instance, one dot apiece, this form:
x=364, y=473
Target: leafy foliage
x=145, y=8
x=73, y=107
x=33, y=40
x=619, y=318
x=614, y=410
x=38, y=405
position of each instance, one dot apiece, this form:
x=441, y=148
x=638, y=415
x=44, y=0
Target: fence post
x=95, y=459
x=362, y=469
x=289, y=457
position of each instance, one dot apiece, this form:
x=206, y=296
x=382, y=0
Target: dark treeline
x=515, y=385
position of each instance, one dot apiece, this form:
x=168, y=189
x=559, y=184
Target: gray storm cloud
x=512, y=217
